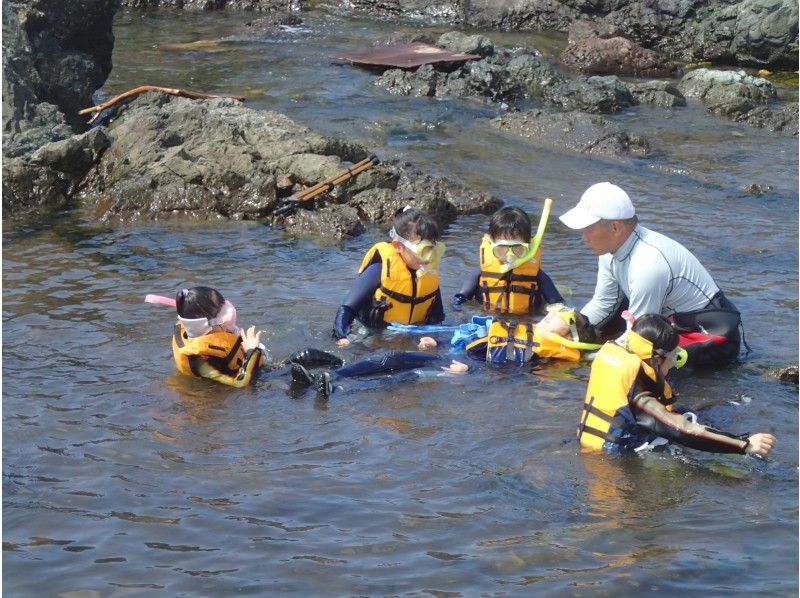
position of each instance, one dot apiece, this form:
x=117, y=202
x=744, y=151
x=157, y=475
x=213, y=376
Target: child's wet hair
x=658, y=330
x=510, y=223
x=199, y=302
x=412, y=222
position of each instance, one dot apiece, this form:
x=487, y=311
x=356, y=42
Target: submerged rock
x=573, y=132
x=657, y=93
x=787, y=374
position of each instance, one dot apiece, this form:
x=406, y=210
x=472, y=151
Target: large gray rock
x=727, y=93
x=55, y=55
x=597, y=95
x=49, y=178
x=209, y=158
x=60, y=53
x=174, y=157
x=741, y=97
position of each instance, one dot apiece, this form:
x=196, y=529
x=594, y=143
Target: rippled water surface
x=122, y=478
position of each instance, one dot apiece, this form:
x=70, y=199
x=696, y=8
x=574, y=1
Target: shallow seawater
x=121, y=477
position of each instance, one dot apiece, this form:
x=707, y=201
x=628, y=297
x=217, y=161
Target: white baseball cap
x=601, y=201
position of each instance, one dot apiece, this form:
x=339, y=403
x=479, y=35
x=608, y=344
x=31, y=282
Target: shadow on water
x=121, y=476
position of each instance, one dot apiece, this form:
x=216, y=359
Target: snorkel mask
x=199, y=326
x=429, y=253
x=509, y=251
x=532, y=247
x=643, y=348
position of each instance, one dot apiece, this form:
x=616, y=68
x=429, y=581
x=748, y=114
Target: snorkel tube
x=160, y=300
x=536, y=241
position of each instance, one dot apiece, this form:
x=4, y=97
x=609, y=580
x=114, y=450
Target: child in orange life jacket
x=498, y=341
x=628, y=402
x=398, y=280
x=522, y=289
x=208, y=344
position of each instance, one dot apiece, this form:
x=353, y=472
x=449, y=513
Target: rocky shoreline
x=171, y=157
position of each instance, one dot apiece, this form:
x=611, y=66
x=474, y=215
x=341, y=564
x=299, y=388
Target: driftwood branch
x=183, y=93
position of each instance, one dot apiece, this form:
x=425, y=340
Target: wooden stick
x=289, y=204
x=183, y=93
x=336, y=179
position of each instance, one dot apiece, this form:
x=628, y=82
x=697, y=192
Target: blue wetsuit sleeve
x=436, y=312
x=361, y=293
x=548, y=290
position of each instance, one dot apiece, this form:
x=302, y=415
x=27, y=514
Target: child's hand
x=343, y=342
x=760, y=444
x=250, y=338
x=427, y=342
x=456, y=367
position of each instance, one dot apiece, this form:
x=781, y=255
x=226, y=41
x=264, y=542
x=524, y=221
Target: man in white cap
x=646, y=272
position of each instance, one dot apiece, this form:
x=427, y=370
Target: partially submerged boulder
x=173, y=157
x=573, y=132
x=596, y=95
x=615, y=56
x=727, y=93
x=741, y=97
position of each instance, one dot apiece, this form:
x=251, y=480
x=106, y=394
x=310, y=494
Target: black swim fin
x=311, y=357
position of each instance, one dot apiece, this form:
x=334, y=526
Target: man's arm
x=607, y=294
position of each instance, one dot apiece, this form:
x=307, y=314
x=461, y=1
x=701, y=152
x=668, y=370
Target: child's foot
x=322, y=383
x=311, y=357
x=301, y=375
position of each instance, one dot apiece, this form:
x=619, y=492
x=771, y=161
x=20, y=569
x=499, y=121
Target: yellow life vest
x=519, y=343
x=223, y=350
x=406, y=297
x=618, y=374
x=507, y=292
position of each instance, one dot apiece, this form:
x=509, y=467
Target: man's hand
x=760, y=444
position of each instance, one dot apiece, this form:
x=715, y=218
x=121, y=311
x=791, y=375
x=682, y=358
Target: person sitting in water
x=629, y=404
x=398, y=280
x=508, y=279
x=207, y=343
x=646, y=272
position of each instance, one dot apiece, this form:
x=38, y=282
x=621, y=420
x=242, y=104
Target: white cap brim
x=577, y=218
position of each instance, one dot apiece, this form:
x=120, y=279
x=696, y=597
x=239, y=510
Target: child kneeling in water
x=629, y=404
x=398, y=280
x=509, y=278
